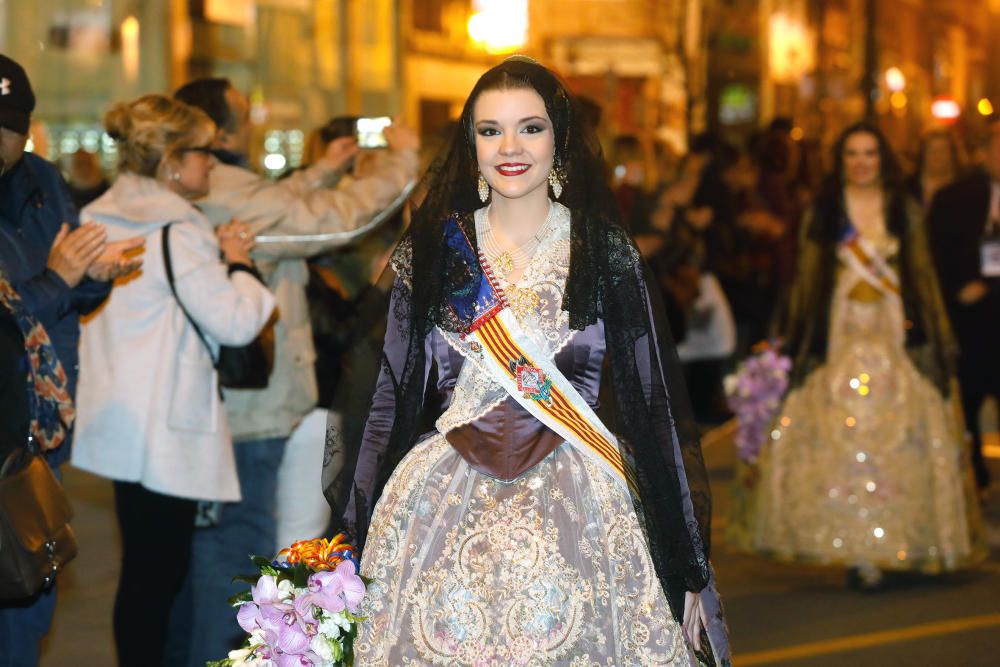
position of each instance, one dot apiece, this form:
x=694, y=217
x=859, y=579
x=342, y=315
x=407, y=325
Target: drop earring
x=484, y=189
x=555, y=180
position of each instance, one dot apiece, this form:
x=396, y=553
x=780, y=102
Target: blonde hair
x=154, y=127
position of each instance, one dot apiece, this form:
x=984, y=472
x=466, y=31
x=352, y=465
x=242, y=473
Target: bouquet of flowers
x=302, y=608
x=754, y=394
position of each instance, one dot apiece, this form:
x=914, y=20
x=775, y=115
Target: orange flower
x=320, y=553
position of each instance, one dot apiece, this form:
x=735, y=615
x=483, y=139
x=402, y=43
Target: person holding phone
x=963, y=223
x=311, y=217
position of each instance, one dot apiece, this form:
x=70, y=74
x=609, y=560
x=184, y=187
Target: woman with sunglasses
x=150, y=414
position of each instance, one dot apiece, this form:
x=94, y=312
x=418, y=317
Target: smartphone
x=370, y=131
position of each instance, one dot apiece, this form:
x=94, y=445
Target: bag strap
x=165, y=243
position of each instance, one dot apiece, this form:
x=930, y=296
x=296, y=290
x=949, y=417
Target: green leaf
x=260, y=561
x=240, y=598
x=251, y=579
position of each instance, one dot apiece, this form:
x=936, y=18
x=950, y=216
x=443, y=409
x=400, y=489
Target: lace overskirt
x=550, y=569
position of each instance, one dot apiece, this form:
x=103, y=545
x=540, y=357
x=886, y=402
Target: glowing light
x=865, y=378
x=945, y=108
x=500, y=26
x=834, y=493
x=895, y=80
x=791, y=53
x=870, y=487
x=898, y=100
x=274, y=161
x=130, y=47
x=786, y=421
x=901, y=555
x=879, y=533
x=855, y=383
x=864, y=390
x=861, y=457
x=984, y=107
x=797, y=133
x=850, y=422
x=837, y=542
x=775, y=434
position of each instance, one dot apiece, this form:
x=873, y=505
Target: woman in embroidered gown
x=494, y=539
x=866, y=465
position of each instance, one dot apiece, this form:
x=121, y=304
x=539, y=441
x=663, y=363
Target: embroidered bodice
x=487, y=427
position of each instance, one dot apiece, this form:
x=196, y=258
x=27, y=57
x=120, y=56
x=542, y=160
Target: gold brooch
x=523, y=301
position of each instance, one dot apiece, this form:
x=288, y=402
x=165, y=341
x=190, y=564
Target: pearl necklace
x=516, y=259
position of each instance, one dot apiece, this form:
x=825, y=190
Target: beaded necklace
x=516, y=259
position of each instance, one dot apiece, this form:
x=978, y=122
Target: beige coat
x=148, y=406
x=296, y=206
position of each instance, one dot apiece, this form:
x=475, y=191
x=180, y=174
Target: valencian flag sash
x=859, y=255
x=495, y=342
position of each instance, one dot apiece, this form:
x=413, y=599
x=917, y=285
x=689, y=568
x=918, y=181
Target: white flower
x=332, y=624
x=239, y=656
x=286, y=589
x=320, y=645
x=245, y=657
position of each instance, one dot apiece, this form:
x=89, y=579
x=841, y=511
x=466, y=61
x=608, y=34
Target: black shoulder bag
x=246, y=367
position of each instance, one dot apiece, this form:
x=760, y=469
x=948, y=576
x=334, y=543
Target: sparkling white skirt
x=550, y=569
x=867, y=465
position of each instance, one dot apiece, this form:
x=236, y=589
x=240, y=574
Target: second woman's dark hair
x=830, y=211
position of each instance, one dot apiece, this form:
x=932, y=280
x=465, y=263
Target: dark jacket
x=34, y=203
x=955, y=225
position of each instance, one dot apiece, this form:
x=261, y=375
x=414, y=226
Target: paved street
x=779, y=614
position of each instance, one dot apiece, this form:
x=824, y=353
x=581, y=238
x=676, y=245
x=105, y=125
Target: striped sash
x=858, y=254
x=496, y=344
x=534, y=381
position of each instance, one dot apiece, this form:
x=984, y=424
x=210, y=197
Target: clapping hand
x=236, y=241
x=74, y=251
x=118, y=259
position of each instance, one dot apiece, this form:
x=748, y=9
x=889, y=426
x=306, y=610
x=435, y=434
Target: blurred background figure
x=337, y=281
x=151, y=416
x=628, y=181
x=865, y=466
x=939, y=163
x=672, y=238
x=85, y=179
x=964, y=225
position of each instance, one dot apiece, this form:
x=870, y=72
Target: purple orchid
x=754, y=394
x=333, y=591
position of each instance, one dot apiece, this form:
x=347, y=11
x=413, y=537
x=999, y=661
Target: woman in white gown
x=511, y=533
x=866, y=465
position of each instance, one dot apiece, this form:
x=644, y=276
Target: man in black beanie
x=61, y=270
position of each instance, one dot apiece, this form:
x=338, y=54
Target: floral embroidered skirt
x=550, y=569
